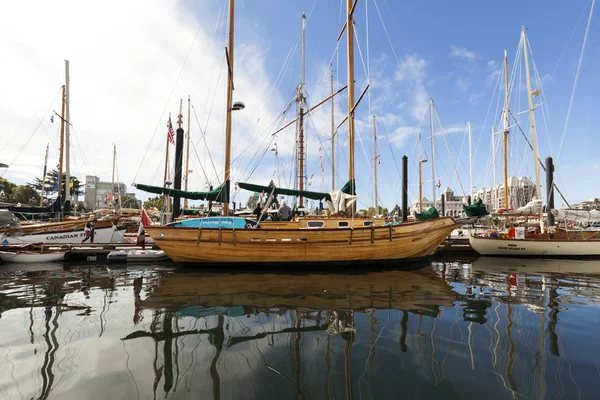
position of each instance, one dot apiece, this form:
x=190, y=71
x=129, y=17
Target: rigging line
x=80, y=149
x=14, y=135
x=203, y=137
x=47, y=134
x=437, y=116
x=587, y=29
x=214, y=95
x=394, y=51
x=201, y=167
x=568, y=41
x=169, y=98
x=540, y=161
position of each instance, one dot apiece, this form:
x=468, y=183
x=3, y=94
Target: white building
x=98, y=194
x=521, y=191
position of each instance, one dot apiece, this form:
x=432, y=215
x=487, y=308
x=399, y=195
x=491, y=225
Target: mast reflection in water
x=503, y=328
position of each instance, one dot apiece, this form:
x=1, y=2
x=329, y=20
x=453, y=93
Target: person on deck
x=257, y=211
x=285, y=212
x=89, y=232
x=511, y=233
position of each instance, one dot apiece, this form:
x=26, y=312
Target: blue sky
x=124, y=77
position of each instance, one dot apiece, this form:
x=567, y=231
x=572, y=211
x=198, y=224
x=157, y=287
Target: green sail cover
x=476, y=209
x=429, y=214
x=349, y=187
x=219, y=194
x=282, y=191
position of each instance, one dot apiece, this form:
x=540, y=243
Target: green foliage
x=156, y=202
x=18, y=193
x=52, y=181
x=128, y=201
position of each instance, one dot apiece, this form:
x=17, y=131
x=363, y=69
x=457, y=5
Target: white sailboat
x=558, y=244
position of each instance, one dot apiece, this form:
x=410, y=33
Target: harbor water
x=496, y=328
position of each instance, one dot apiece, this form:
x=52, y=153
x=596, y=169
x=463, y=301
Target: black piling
x=404, y=188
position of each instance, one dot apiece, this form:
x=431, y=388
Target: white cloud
x=462, y=84
x=411, y=72
x=123, y=70
x=463, y=52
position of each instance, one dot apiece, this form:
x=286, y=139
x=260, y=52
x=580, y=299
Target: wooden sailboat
x=558, y=244
x=228, y=245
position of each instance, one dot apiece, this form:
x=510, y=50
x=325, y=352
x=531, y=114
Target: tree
x=51, y=185
x=6, y=189
x=156, y=202
x=252, y=201
x=25, y=195
x=128, y=201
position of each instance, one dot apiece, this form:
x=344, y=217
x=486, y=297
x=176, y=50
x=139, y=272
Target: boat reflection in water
x=503, y=328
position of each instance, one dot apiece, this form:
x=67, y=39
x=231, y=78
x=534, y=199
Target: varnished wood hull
x=292, y=246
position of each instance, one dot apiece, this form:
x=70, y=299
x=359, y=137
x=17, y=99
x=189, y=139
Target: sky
x=132, y=61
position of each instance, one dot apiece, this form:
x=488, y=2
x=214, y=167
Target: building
x=452, y=204
x=98, y=194
x=521, y=191
x=592, y=204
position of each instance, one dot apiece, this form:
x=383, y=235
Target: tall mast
x=44, y=175
x=112, y=199
x=229, y=53
x=533, y=131
x=166, y=197
x=470, y=160
x=62, y=145
x=506, y=129
x=67, y=116
x=187, y=157
x=494, y=167
x=332, y=135
x=420, y=177
x=375, y=160
x=350, y=42
x=300, y=100
x=432, y=150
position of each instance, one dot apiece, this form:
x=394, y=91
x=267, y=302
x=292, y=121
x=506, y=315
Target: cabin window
x=315, y=224
x=343, y=224
x=367, y=223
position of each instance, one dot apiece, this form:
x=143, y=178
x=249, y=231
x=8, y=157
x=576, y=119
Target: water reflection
x=503, y=328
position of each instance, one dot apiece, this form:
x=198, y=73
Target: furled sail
x=534, y=207
x=283, y=191
x=220, y=194
x=426, y=215
x=577, y=215
x=477, y=209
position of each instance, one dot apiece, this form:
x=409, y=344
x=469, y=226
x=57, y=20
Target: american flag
x=171, y=132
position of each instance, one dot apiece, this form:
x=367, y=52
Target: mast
x=506, y=129
x=229, y=53
x=533, y=131
x=332, y=135
x=67, y=116
x=44, y=175
x=62, y=141
x=187, y=157
x=350, y=42
x=300, y=100
x=432, y=150
x=166, y=197
x=420, y=177
x=470, y=159
x=112, y=199
x=494, y=168
x=375, y=160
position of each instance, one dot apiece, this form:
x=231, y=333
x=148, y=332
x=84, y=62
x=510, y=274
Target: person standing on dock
x=89, y=232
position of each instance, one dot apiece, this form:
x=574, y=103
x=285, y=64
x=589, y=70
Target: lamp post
x=421, y=161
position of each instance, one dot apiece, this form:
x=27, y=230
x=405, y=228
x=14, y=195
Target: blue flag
x=52, y=118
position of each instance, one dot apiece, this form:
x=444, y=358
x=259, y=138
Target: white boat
x=32, y=256
x=563, y=247
x=108, y=234
x=136, y=255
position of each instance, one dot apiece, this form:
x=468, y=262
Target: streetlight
x=421, y=161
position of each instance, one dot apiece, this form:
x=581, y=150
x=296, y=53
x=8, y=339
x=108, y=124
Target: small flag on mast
x=171, y=132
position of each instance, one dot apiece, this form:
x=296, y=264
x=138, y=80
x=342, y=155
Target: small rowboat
x=32, y=256
x=121, y=256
